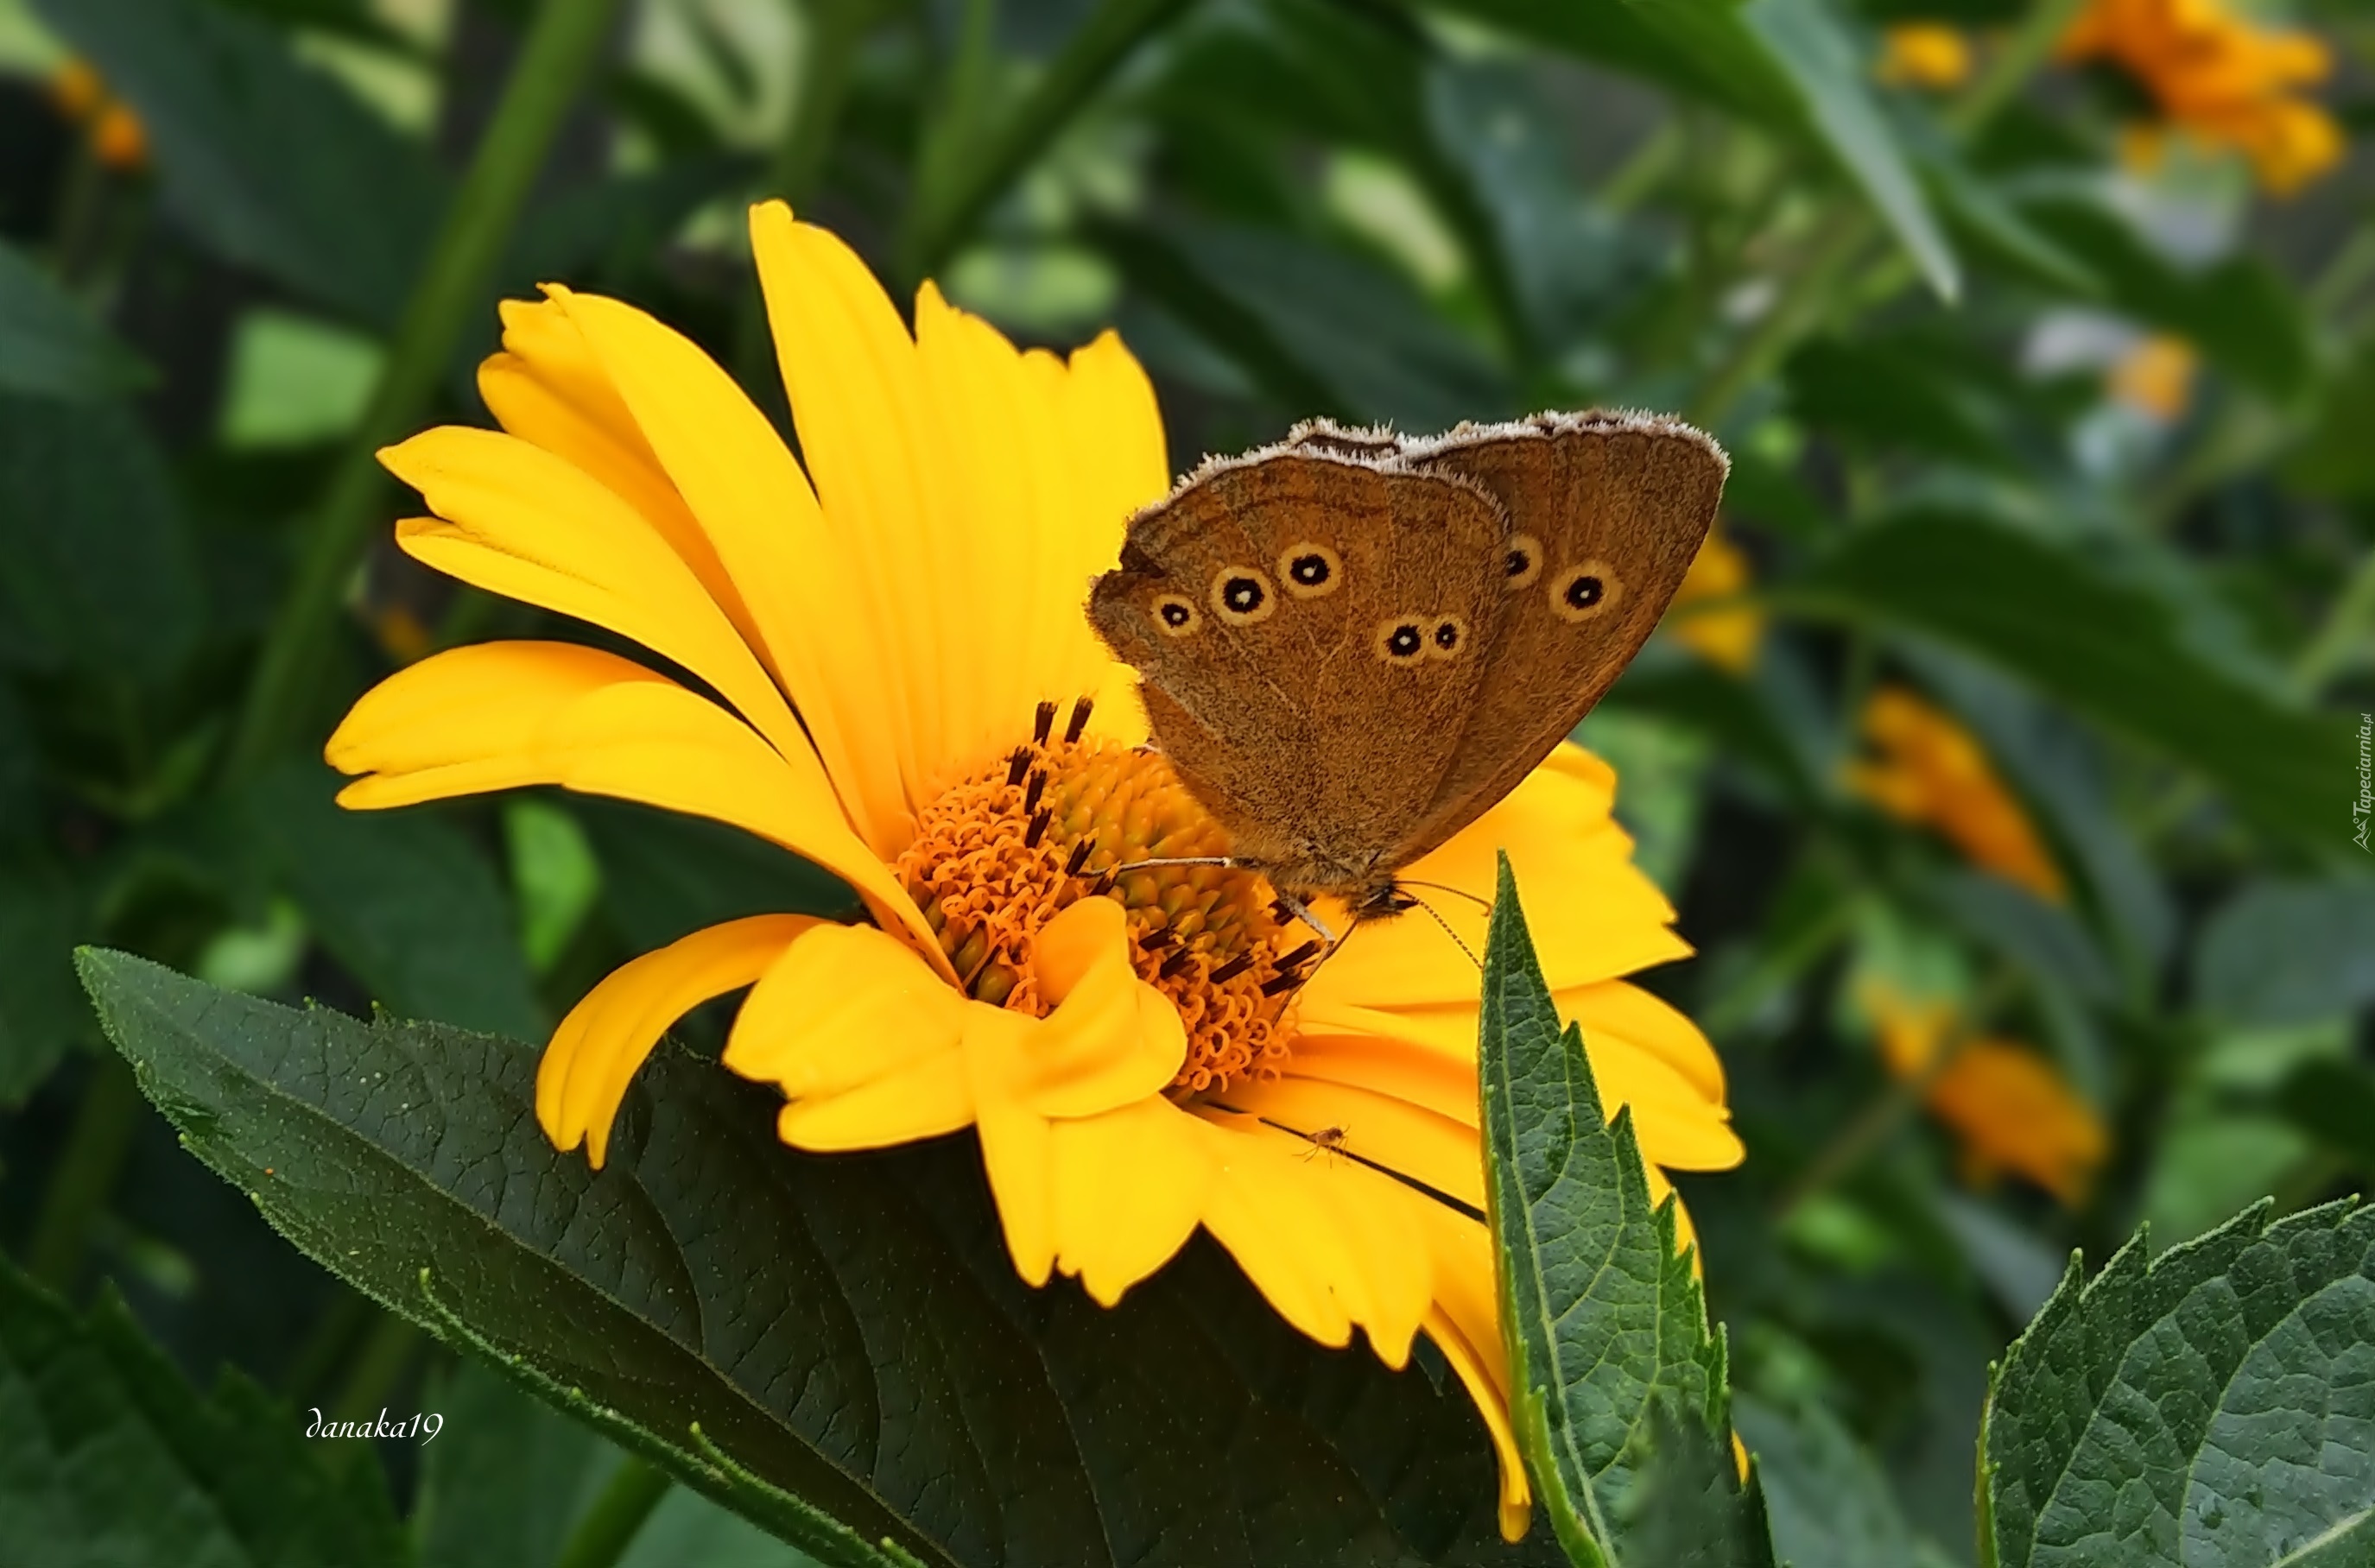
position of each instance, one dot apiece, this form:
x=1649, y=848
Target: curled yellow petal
x=593, y=1056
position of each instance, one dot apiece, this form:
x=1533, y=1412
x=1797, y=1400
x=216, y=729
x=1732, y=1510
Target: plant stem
x=2023, y=53
x=1797, y=311
x=560, y=50
x=2349, y=626
x=610, y=1526
x=85, y=1175
x=945, y=209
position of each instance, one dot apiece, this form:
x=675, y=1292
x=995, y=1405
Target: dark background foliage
x=1897, y=310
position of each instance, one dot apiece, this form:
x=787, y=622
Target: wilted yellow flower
x=1924, y=54
x=1930, y=770
x=2156, y=377
x=2006, y=1104
x=908, y=693
x=1724, y=637
x=2220, y=78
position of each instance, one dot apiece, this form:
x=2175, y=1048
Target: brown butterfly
x=1353, y=643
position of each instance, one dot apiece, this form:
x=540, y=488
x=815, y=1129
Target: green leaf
x=1830, y=1503
x=2104, y=648
x=1784, y=64
x=788, y=1333
x=108, y=1459
x=1603, y=1315
x=2336, y=459
x=2214, y=1406
x=2334, y=1103
x=49, y=344
x=505, y=1477
x=97, y=569
x=1686, y=1505
x=1893, y=397
x=2241, y=312
x=1834, y=96
x=2289, y=952
x=268, y=159
x=42, y=913
x=401, y=898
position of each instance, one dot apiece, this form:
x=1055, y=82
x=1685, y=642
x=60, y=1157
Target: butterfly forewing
x=1310, y=624
x=1606, y=514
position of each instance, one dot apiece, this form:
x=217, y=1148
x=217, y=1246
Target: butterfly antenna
x=1483, y=903
x=1437, y=915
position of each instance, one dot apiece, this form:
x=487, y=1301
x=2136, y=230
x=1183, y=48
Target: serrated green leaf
x=49, y=344
x=772, y=1327
x=2104, y=648
x=2213, y=1407
x=1602, y=1313
x=1685, y=1504
x=108, y=1459
x=266, y=157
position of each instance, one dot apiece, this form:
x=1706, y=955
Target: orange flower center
x=1067, y=818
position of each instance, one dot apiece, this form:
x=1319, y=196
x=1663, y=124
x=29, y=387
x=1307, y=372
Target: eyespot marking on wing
x=1582, y=593
x=1242, y=595
x=1310, y=570
x=1522, y=561
x=1402, y=639
x=1175, y=615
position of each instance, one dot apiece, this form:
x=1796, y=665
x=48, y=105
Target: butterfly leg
x=1302, y=911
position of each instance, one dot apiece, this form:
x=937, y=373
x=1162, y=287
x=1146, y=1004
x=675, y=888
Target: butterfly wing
x=1605, y=514
x=1310, y=627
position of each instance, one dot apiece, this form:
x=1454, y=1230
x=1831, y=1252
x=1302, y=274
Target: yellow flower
x=1929, y=771
x=1924, y=54
x=2009, y=1107
x=2156, y=377
x=117, y=138
x=2219, y=78
x=1724, y=637
x=901, y=675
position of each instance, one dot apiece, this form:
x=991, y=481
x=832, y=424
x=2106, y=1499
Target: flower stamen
x=1057, y=820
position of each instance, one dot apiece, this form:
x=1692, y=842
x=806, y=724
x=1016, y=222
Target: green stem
x=946, y=209
x=2019, y=59
x=2349, y=626
x=85, y=1175
x=560, y=50
x=610, y=1527
x=1798, y=310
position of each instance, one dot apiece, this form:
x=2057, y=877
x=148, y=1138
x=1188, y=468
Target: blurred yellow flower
x=1924, y=54
x=1723, y=637
x=907, y=692
x=117, y=138
x=2156, y=377
x=2219, y=78
x=1930, y=770
x=2007, y=1106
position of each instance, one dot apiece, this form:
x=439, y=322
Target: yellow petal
x=464, y=720
x=1434, y=1149
x=819, y=632
x=1017, y=1148
x=547, y=388
x=881, y=473
x=517, y=521
x=925, y=1099
x=1113, y=1040
x=843, y=1005
x=1465, y=1324
x=667, y=747
x=594, y=1054
x=1592, y=915
x=1129, y=1189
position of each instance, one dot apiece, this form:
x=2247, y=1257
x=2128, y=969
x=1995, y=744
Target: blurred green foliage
x=2080, y=451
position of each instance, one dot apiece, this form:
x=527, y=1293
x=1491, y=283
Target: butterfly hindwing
x=1606, y=514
